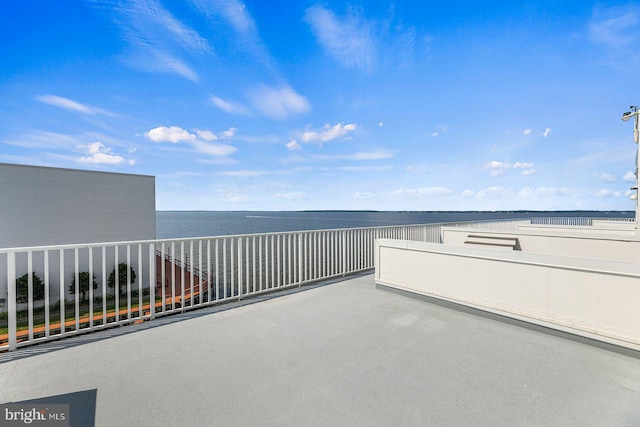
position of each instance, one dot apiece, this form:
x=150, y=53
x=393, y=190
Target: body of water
x=177, y=224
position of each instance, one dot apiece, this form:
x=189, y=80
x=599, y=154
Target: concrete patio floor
x=346, y=353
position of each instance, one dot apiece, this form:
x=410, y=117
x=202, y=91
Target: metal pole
x=636, y=137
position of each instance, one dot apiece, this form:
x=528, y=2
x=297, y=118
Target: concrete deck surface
x=342, y=354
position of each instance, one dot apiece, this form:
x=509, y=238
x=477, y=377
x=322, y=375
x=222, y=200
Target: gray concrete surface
x=342, y=354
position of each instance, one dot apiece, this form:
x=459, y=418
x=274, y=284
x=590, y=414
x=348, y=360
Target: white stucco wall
x=592, y=297
x=570, y=243
x=48, y=206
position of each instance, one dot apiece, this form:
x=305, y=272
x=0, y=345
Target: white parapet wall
x=617, y=230
x=585, y=296
x=565, y=242
x=52, y=206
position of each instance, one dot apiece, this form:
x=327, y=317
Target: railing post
x=152, y=280
x=300, y=259
x=344, y=253
x=30, y=292
x=11, y=290
x=240, y=275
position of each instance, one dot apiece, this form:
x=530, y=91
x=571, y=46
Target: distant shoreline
x=413, y=211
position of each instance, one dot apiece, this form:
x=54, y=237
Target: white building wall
x=591, y=297
x=614, y=246
x=48, y=206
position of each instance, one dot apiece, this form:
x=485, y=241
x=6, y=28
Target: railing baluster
x=140, y=279
x=182, y=276
x=47, y=301
x=209, y=276
x=30, y=292
x=153, y=278
x=128, y=281
x=77, y=293
x=200, y=272
x=90, y=287
x=173, y=276
x=240, y=275
x=224, y=266
x=189, y=265
x=253, y=262
x=104, y=286
x=12, y=304
x=261, y=276
x=217, y=288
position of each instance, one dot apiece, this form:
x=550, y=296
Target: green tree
x=122, y=277
x=84, y=284
x=22, y=288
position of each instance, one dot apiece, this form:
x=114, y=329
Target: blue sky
x=256, y=105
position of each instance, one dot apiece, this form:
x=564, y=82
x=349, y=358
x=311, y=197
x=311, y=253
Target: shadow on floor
x=82, y=406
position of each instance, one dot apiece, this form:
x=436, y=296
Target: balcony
x=316, y=342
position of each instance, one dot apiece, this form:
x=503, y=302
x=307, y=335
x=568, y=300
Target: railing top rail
x=189, y=239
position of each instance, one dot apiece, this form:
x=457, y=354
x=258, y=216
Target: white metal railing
x=576, y=221
x=161, y=277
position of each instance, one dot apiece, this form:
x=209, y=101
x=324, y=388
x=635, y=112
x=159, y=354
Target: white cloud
x=546, y=132
x=498, y=168
x=328, y=133
x=350, y=40
x=155, y=60
x=606, y=193
x=172, y=134
x=523, y=165
x=229, y=133
x=206, y=135
x=236, y=198
x=440, y=130
x=372, y=155
x=46, y=140
x=615, y=27
x=236, y=14
x=364, y=195
x=213, y=149
x=423, y=192
x=200, y=142
x=229, y=107
x=527, y=132
x=292, y=195
x=467, y=194
x=363, y=168
x=380, y=124
x=529, y=192
x=152, y=23
x=629, y=177
x=244, y=173
x=605, y=177
x=494, y=164
x=278, y=103
x=97, y=153
x=496, y=192
x=71, y=105
x=293, y=145
x=154, y=37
